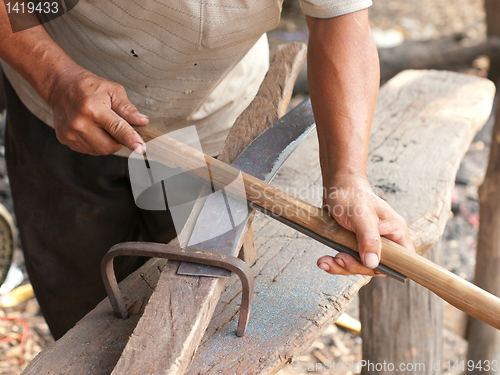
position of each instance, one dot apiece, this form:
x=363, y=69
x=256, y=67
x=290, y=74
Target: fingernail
x=324, y=267
x=143, y=116
x=340, y=262
x=139, y=148
x=371, y=260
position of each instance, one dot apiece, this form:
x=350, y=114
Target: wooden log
x=421, y=130
x=402, y=324
x=484, y=341
x=181, y=307
x=441, y=53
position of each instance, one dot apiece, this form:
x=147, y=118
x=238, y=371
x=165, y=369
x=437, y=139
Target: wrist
x=44, y=80
x=346, y=179
x=345, y=185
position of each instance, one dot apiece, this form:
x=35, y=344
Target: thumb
x=369, y=243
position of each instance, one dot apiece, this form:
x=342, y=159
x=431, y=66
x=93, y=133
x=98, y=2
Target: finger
x=400, y=237
x=352, y=266
x=84, y=135
x=74, y=140
x=100, y=142
x=397, y=230
x=121, y=130
x=369, y=243
x=125, y=109
x=329, y=265
x=344, y=264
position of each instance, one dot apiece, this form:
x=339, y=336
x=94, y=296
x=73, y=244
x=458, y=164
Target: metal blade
x=262, y=159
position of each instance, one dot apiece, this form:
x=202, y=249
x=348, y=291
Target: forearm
x=91, y=115
x=33, y=54
x=343, y=75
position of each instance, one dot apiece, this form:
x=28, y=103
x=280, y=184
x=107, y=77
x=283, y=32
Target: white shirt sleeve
x=332, y=8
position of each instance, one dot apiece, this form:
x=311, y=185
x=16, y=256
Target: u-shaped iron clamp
x=151, y=249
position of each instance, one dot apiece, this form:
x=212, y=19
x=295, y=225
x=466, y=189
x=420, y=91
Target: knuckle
x=118, y=128
x=87, y=108
x=128, y=107
x=77, y=126
x=400, y=232
x=66, y=135
x=68, y=139
x=119, y=89
x=404, y=225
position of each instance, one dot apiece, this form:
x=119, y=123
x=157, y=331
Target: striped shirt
x=183, y=62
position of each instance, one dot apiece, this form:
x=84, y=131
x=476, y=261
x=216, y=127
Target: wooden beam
x=453, y=289
x=181, y=307
x=421, y=124
x=96, y=343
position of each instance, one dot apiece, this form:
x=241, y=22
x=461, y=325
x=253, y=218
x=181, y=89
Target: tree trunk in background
x=493, y=26
x=484, y=341
x=2, y=99
x=402, y=325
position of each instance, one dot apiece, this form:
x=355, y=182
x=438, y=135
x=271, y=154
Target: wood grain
x=181, y=307
x=295, y=301
x=447, y=111
x=269, y=104
x=96, y=343
x=402, y=323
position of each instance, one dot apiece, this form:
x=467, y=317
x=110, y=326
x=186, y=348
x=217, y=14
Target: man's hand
x=355, y=207
x=343, y=74
x=93, y=115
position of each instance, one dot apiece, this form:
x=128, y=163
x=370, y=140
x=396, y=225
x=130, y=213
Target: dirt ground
x=23, y=332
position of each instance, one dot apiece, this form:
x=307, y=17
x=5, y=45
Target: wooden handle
x=457, y=291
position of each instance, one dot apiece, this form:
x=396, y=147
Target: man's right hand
x=93, y=115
